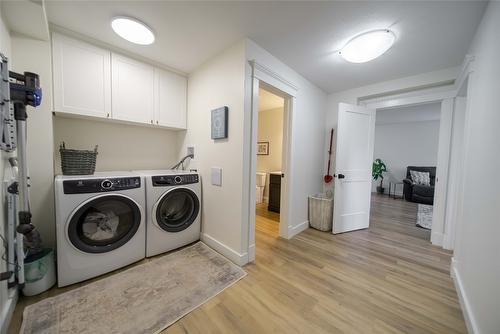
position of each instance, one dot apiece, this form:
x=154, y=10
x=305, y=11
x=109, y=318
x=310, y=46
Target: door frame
x=271, y=81
x=446, y=101
x=463, y=95
x=444, y=94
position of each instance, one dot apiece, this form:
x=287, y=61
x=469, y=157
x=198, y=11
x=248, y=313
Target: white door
x=171, y=98
x=82, y=77
x=353, y=166
x=132, y=90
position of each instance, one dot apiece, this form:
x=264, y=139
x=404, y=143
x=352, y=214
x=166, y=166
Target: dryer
x=173, y=202
x=100, y=224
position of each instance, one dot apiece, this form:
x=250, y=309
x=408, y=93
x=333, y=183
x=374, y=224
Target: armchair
x=416, y=192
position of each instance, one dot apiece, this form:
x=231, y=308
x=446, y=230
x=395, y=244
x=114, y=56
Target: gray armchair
x=416, y=192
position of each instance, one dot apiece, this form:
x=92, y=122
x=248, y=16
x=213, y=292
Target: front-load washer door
x=104, y=223
x=177, y=210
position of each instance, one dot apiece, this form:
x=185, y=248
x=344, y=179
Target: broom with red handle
x=328, y=178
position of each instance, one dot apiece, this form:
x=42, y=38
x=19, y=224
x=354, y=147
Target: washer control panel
x=174, y=180
x=86, y=186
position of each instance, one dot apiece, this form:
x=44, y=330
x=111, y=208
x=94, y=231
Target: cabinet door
x=132, y=90
x=274, y=193
x=170, y=102
x=82, y=77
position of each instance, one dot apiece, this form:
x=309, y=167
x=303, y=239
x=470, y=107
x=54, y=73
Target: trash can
x=321, y=211
x=39, y=272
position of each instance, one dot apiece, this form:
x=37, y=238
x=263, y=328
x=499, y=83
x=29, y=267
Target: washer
x=100, y=224
x=173, y=202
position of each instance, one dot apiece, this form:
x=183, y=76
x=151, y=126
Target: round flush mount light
x=132, y=30
x=368, y=46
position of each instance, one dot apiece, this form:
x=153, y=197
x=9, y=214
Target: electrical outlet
x=190, y=151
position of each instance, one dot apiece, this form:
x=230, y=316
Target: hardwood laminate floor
x=267, y=221
x=385, y=279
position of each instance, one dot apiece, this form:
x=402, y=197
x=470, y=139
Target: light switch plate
x=216, y=174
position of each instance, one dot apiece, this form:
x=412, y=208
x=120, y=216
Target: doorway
x=269, y=157
x=449, y=99
x=272, y=83
x=406, y=149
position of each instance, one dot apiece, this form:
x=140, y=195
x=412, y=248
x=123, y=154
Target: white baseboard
x=470, y=321
x=294, y=230
x=437, y=238
x=232, y=255
x=251, y=253
x=7, y=312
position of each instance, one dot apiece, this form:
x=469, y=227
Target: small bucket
x=39, y=272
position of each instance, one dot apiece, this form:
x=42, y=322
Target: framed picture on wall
x=263, y=148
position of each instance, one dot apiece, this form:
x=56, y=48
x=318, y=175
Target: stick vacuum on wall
x=19, y=91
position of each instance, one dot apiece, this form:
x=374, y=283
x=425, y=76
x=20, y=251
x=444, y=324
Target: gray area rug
x=424, y=216
x=144, y=299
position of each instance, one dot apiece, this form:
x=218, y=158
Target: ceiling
x=431, y=35
x=268, y=101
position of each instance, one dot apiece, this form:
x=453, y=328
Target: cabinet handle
x=156, y=122
x=151, y=121
x=108, y=115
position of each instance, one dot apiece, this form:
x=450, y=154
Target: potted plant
x=378, y=169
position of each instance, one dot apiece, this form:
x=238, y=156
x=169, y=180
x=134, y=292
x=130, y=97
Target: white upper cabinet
x=132, y=90
x=82, y=77
x=170, y=102
x=94, y=82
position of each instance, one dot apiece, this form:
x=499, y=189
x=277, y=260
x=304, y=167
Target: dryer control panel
x=85, y=186
x=174, y=180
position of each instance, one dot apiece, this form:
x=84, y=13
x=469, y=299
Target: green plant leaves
x=378, y=168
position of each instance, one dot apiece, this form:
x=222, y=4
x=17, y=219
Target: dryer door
x=177, y=209
x=104, y=223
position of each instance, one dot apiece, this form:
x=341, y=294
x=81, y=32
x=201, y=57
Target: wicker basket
x=77, y=162
x=321, y=212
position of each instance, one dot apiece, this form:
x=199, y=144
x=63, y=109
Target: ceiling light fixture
x=133, y=30
x=368, y=46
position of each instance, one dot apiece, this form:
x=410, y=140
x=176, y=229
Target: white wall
x=308, y=131
x=120, y=146
x=477, y=266
x=406, y=137
x=271, y=130
x=6, y=306
x=217, y=83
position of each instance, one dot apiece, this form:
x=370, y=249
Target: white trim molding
x=436, y=94
x=251, y=253
x=437, y=238
x=7, y=311
x=470, y=320
x=226, y=251
x=467, y=68
x=294, y=230
x=272, y=78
